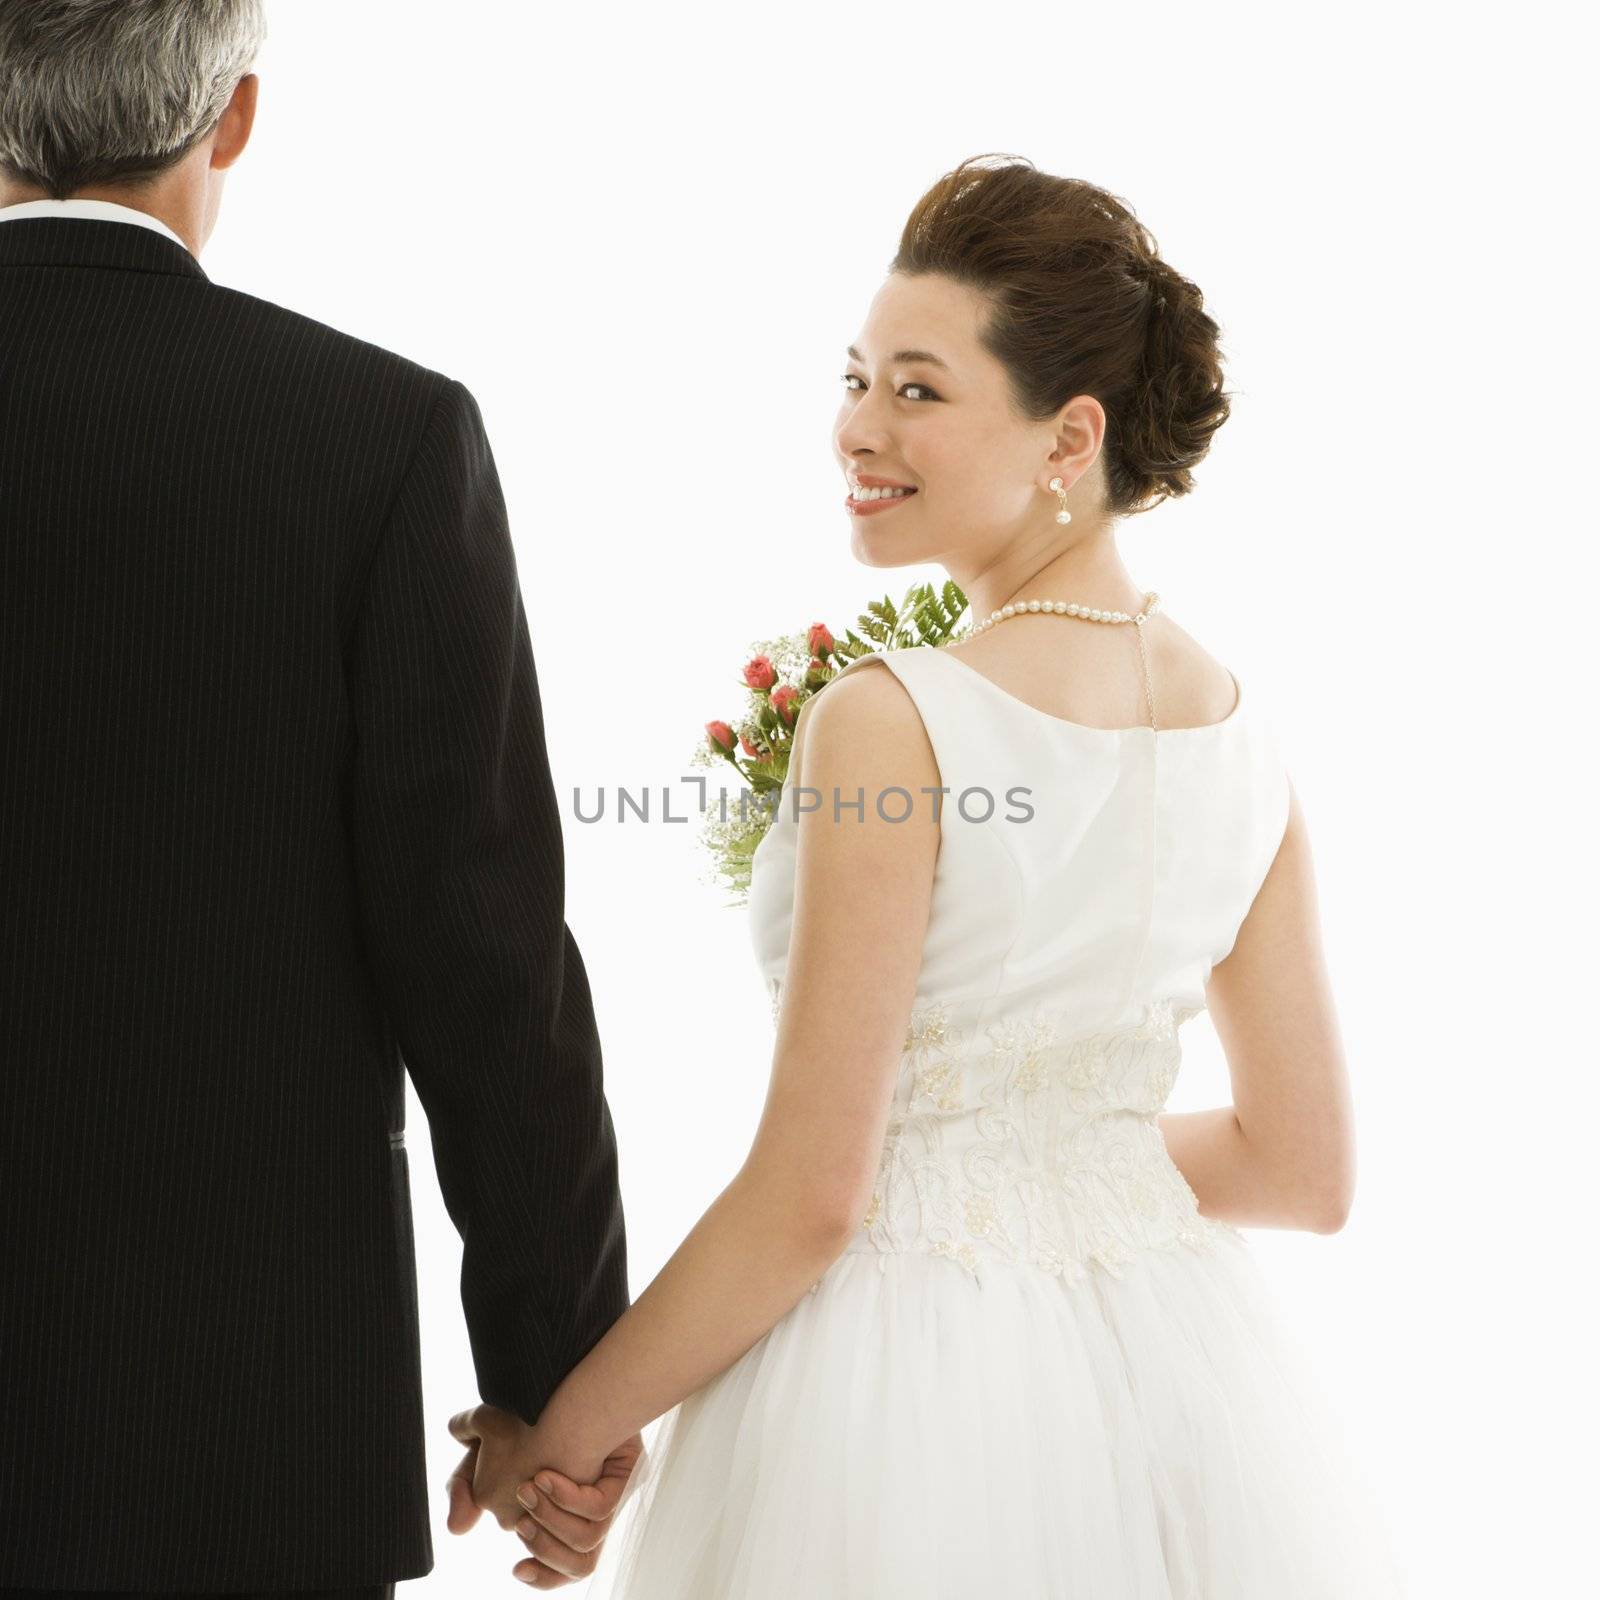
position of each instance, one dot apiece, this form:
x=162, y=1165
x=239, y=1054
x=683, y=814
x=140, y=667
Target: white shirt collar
x=104, y=210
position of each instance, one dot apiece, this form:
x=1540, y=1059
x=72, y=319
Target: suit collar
x=79, y=205
x=78, y=241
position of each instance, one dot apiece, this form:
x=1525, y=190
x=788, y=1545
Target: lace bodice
x=1064, y=951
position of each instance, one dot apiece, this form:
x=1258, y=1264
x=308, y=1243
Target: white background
x=643, y=236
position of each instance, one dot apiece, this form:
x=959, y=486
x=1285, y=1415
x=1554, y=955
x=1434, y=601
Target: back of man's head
x=108, y=92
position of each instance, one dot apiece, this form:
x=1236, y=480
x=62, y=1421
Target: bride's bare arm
x=1283, y=1154
x=863, y=890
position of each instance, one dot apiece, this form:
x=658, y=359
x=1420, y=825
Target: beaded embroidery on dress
x=1036, y=1369
x=1065, y=1166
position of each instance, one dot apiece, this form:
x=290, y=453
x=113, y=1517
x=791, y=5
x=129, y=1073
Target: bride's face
x=927, y=407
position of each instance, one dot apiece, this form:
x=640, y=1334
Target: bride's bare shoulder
x=1091, y=675
x=866, y=706
x=1204, y=683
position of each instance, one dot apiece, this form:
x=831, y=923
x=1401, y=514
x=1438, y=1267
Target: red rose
x=721, y=737
x=753, y=751
x=759, y=672
x=819, y=641
x=783, y=698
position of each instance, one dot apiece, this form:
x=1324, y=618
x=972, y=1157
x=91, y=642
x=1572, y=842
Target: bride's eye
x=850, y=377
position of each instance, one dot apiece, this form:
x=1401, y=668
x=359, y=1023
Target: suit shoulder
x=321, y=352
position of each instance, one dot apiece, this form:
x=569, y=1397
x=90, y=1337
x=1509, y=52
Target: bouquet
x=778, y=677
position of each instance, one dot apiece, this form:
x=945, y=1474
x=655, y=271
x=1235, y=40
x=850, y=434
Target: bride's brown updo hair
x=1082, y=305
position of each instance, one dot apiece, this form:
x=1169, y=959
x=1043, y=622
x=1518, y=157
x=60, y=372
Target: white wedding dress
x=1036, y=1370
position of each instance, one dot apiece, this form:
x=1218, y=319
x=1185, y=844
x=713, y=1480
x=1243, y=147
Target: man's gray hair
x=116, y=91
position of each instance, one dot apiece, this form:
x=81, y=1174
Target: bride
x=977, y=1316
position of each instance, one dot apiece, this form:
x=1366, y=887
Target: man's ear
x=235, y=123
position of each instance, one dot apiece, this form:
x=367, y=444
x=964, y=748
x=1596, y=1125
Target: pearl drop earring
x=1063, y=515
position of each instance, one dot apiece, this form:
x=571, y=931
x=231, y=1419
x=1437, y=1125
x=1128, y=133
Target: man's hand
x=503, y=1452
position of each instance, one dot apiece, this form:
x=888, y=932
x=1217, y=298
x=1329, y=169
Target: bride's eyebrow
x=902, y=355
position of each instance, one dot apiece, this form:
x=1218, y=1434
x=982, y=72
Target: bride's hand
x=503, y=1451
x=563, y=1517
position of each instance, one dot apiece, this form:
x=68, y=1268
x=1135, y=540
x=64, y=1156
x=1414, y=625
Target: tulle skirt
x=908, y=1430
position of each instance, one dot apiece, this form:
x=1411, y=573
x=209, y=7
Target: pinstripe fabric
x=366, y=1591
x=276, y=822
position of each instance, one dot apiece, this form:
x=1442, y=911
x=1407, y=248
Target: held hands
x=564, y=1528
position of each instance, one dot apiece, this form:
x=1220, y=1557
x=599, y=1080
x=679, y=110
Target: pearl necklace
x=1063, y=608
x=1066, y=608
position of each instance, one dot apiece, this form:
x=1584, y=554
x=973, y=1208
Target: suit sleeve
x=458, y=850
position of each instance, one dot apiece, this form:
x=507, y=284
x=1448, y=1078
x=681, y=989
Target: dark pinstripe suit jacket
x=275, y=812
